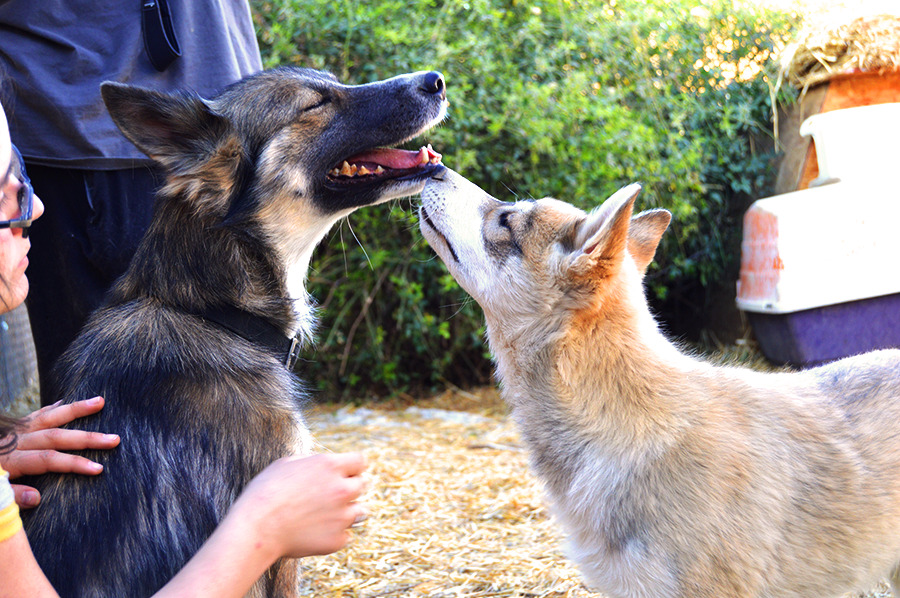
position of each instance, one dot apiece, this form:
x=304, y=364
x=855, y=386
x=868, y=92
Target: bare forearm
x=227, y=565
x=19, y=572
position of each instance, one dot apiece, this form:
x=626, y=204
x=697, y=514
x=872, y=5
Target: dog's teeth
x=352, y=170
x=423, y=156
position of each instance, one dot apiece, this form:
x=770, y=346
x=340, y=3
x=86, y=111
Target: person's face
x=13, y=246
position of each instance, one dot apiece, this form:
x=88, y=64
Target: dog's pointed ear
x=176, y=129
x=644, y=233
x=601, y=238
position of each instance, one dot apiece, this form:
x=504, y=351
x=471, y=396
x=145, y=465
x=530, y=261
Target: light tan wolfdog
x=671, y=477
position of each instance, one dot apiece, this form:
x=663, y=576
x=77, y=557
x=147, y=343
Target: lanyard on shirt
x=159, y=35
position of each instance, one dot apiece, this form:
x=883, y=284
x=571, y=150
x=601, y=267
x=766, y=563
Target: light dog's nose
x=433, y=82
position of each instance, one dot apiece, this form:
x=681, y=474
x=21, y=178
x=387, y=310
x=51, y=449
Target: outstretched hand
x=307, y=505
x=41, y=441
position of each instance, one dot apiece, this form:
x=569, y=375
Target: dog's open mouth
x=383, y=163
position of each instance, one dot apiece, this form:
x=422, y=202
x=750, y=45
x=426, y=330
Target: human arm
x=37, y=451
x=19, y=571
x=298, y=506
x=41, y=441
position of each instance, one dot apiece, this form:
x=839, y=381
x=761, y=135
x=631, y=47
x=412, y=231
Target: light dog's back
x=672, y=477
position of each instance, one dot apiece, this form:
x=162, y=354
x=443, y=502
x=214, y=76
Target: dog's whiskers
x=358, y=242
x=460, y=306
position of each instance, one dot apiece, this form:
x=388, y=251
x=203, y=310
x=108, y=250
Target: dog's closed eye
x=324, y=101
x=500, y=238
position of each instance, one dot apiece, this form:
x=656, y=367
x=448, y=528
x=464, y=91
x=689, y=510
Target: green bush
x=564, y=98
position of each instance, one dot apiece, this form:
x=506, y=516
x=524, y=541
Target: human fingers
x=352, y=516
x=353, y=488
x=305, y=505
x=26, y=496
x=350, y=464
x=66, y=440
x=330, y=530
x=339, y=476
x=360, y=514
x=39, y=462
x=56, y=415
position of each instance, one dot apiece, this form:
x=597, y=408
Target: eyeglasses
x=24, y=196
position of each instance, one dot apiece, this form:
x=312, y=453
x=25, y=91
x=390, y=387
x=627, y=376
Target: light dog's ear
x=644, y=233
x=178, y=130
x=601, y=238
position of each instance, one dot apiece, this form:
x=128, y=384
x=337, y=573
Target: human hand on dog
x=41, y=441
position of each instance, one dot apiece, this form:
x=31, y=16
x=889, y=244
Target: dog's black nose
x=433, y=82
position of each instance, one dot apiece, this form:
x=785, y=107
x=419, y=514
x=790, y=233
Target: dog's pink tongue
x=397, y=159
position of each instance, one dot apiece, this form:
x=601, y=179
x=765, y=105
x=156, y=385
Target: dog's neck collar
x=256, y=330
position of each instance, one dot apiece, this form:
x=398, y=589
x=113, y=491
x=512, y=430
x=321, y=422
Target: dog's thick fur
x=253, y=185
x=672, y=477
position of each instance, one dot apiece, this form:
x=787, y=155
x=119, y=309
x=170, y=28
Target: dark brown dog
x=194, y=347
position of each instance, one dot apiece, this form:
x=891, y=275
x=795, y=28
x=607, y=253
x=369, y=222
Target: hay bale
x=846, y=55
x=834, y=44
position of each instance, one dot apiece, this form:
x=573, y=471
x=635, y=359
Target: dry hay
x=454, y=511
x=835, y=43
